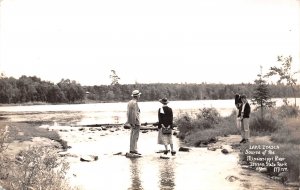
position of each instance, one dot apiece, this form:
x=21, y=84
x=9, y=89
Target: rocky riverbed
x=97, y=161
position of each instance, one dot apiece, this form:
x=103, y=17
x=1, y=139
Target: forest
x=33, y=89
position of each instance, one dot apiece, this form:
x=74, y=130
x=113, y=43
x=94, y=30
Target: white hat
x=136, y=93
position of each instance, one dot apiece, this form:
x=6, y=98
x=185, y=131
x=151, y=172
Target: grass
x=281, y=124
x=38, y=167
x=288, y=133
x=25, y=132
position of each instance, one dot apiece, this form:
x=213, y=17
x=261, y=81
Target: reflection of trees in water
x=166, y=175
x=136, y=183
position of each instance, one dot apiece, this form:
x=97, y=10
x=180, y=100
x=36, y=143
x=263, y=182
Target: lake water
x=101, y=113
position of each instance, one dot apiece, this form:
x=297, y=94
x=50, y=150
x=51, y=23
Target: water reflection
x=167, y=175
x=136, y=183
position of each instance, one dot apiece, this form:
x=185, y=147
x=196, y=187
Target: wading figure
x=165, y=126
x=133, y=119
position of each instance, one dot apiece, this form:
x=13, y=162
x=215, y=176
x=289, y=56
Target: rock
x=184, y=149
x=164, y=157
x=63, y=130
x=212, y=140
x=284, y=176
x=88, y=158
x=175, y=133
x=118, y=153
x=211, y=148
x=145, y=131
x=276, y=178
x=224, y=151
x=81, y=129
x=104, y=128
x=126, y=127
x=130, y=155
x=245, y=166
x=231, y=178
x=262, y=170
x=112, y=131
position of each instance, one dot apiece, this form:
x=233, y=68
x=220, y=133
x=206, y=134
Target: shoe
x=166, y=152
x=243, y=141
x=135, y=152
x=173, y=153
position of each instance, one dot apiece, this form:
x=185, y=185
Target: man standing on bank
x=245, y=115
x=165, y=126
x=133, y=118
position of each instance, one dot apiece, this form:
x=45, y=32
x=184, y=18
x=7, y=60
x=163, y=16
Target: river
x=197, y=169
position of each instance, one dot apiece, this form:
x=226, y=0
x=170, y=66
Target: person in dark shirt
x=165, y=126
x=245, y=115
x=238, y=104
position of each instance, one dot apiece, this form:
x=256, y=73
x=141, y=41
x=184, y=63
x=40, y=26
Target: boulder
x=184, y=149
x=231, y=178
x=164, y=157
x=131, y=155
x=88, y=158
x=224, y=151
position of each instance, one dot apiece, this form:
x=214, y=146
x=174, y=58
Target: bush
x=287, y=111
x=264, y=126
x=37, y=168
x=209, y=115
x=205, y=125
x=184, y=124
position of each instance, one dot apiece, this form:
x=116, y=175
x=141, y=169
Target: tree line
x=33, y=89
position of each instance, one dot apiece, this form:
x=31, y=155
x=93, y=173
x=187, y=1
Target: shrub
x=37, y=168
x=210, y=115
x=287, y=111
x=288, y=133
x=184, y=124
x=206, y=124
x=264, y=126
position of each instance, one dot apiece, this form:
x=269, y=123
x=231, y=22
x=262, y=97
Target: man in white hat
x=133, y=118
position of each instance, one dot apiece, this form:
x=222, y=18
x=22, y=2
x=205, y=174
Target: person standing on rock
x=238, y=104
x=133, y=119
x=245, y=115
x=165, y=126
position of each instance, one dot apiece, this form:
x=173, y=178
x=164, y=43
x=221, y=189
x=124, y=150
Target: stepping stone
x=88, y=158
x=184, y=149
x=164, y=157
x=131, y=155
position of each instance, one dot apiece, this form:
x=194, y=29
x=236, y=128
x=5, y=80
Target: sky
x=157, y=41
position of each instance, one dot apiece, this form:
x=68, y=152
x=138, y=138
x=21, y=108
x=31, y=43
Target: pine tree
x=261, y=95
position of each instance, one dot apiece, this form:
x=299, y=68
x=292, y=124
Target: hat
x=136, y=93
x=164, y=101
